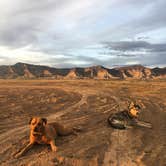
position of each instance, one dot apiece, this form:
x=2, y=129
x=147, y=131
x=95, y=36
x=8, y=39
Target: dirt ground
x=87, y=104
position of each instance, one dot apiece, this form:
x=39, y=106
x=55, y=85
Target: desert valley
x=83, y=83
x=86, y=103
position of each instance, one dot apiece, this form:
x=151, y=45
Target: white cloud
x=40, y=31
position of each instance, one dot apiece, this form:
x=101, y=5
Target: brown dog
x=43, y=133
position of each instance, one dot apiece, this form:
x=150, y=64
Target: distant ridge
x=30, y=71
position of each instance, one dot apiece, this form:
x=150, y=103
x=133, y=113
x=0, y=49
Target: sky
x=81, y=33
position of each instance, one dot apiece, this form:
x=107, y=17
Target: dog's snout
x=35, y=129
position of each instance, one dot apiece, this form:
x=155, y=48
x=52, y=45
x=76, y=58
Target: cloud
x=40, y=31
x=137, y=52
x=148, y=16
x=136, y=46
x=73, y=24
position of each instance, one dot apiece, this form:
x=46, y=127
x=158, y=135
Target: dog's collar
x=37, y=133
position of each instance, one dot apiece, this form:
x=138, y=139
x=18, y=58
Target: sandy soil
x=85, y=103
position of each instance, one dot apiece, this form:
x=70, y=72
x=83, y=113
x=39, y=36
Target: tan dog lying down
x=43, y=133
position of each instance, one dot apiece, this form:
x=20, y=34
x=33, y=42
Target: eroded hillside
x=29, y=71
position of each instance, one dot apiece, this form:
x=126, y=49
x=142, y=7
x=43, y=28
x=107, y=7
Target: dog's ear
x=30, y=120
x=44, y=120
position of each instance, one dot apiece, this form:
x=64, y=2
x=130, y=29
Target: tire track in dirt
x=135, y=147
x=123, y=144
x=73, y=107
x=19, y=132
x=6, y=136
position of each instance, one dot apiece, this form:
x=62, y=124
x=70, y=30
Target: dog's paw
x=18, y=155
x=54, y=148
x=58, y=159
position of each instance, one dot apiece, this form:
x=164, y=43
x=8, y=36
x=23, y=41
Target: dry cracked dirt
x=87, y=104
